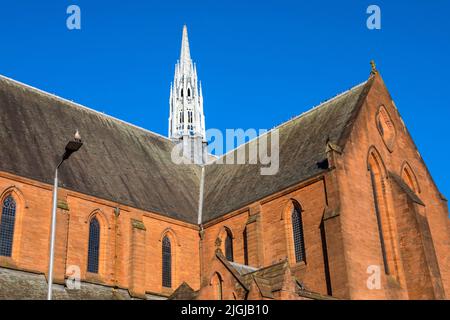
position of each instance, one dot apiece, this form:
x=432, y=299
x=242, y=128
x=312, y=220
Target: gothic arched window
x=229, y=246
x=189, y=92
x=7, y=221
x=245, y=247
x=216, y=282
x=297, y=228
x=409, y=178
x=166, y=263
x=376, y=197
x=94, y=246
x=380, y=187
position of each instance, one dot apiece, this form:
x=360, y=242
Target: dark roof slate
x=264, y=287
x=274, y=275
x=118, y=161
x=242, y=269
x=184, y=292
x=20, y=285
x=132, y=166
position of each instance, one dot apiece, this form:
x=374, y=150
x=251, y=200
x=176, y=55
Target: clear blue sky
x=260, y=62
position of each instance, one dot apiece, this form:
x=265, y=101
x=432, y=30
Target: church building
x=352, y=213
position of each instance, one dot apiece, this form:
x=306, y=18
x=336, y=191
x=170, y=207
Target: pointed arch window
x=376, y=197
x=7, y=221
x=181, y=117
x=380, y=189
x=245, y=247
x=218, y=288
x=409, y=178
x=229, y=246
x=166, y=263
x=297, y=229
x=94, y=246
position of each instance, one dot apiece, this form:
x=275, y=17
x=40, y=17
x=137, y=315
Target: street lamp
x=71, y=147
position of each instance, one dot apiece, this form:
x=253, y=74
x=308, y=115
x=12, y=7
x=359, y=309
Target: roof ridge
x=231, y=268
x=341, y=140
x=79, y=105
x=322, y=104
x=268, y=267
x=301, y=115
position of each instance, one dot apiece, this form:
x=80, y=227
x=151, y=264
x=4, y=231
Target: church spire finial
x=185, y=56
x=373, y=66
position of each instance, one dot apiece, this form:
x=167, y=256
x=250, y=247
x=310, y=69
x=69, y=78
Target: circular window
x=386, y=128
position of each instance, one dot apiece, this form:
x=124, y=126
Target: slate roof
x=273, y=276
x=302, y=150
x=184, y=292
x=20, y=285
x=242, y=268
x=132, y=166
x=269, y=279
x=118, y=161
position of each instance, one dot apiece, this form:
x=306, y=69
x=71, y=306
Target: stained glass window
x=94, y=246
x=229, y=246
x=297, y=227
x=166, y=263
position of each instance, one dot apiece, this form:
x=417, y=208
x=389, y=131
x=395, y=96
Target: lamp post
x=71, y=147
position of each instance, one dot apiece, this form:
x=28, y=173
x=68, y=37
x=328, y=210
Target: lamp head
x=73, y=146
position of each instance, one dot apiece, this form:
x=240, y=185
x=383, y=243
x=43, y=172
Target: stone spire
x=185, y=55
x=186, y=119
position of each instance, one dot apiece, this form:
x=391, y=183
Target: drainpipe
x=199, y=222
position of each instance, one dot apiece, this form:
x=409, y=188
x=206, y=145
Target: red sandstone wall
x=359, y=225
x=130, y=253
x=271, y=229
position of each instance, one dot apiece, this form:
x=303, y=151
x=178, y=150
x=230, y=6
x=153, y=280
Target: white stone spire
x=185, y=56
x=186, y=119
